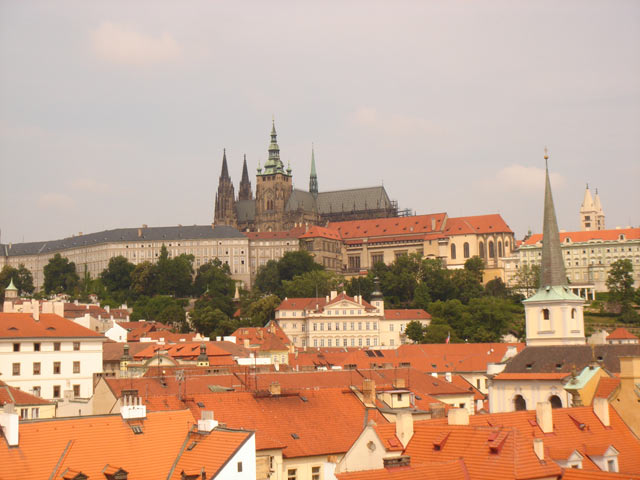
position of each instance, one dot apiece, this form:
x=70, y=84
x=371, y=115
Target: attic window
x=137, y=429
x=295, y=436
x=200, y=404
x=600, y=358
x=192, y=445
x=529, y=366
x=303, y=398
x=558, y=366
x=13, y=328
x=51, y=328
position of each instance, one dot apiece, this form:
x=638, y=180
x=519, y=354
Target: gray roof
x=299, y=199
x=563, y=358
x=164, y=234
x=246, y=210
x=370, y=198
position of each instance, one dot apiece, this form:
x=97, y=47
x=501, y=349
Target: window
x=76, y=346
x=344, y=342
x=16, y=369
x=377, y=258
x=239, y=467
x=36, y=368
x=492, y=250
x=453, y=251
x=36, y=391
x=519, y=403
x=36, y=347
x=16, y=347
x=35, y=412
x=56, y=391
x=76, y=391
x=315, y=473
x=56, y=368
x=481, y=249
x=76, y=367
x=391, y=327
x=56, y=346
x=354, y=262
x=292, y=474
x=611, y=465
x=465, y=249
x=545, y=313
x=24, y=413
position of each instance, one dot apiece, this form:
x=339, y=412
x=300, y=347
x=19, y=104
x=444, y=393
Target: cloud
x=393, y=124
x=53, y=200
x=89, y=185
x=523, y=179
x=119, y=44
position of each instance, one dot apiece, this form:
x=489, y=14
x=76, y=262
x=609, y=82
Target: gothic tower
x=554, y=315
x=273, y=189
x=591, y=214
x=225, y=213
x=245, y=192
x=313, y=178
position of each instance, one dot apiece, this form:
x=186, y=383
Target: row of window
x=292, y=473
x=335, y=342
x=56, y=391
x=17, y=346
x=37, y=368
x=328, y=312
x=368, y=326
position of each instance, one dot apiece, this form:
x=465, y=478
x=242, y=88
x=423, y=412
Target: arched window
x=481, y=249
x=492, y=250
x=453, y=251
x=500, y=252
x=519, y=403
x=545, y=313
x=465, y=248
x=573, y=313
x=555, y=401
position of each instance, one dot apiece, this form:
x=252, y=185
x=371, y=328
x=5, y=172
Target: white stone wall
x=247, y=455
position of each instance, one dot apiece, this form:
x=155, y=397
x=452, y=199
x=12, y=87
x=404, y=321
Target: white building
x=46, y=354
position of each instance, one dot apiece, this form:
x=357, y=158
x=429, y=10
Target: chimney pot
x=404, y=427
x=538, y=448
x=601, y=409
x=275, y=389
x=458, y=416
x=544, y=417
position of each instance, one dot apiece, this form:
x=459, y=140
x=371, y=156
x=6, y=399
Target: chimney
x=35, y=310
x=275, y=389
x=139, y=233
x=334, y=294
x=9, y=424
x=369, y=391
x=447, y=376
x=538, y=448
x=399, y=383
x=433, y=223
x=404, y=427
x=107, y=308
x=601, y=409
x=458, y=416
x=437, y=410
x=544, y=417
x=47, y=307
x=132, y=407
x=245, y=343
x=327, y=298
x=512, y=351
x=206, y=422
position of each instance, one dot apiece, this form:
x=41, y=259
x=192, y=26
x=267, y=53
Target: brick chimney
x=369, y=391
x=544, y=417
x=399, y=383
x=275, y=389
x=601, y=409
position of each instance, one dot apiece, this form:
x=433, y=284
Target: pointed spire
x=587, y=202
x=245, y=172
x=11, y=286
x=245, y=193
x=225, y=170
x=552, y=272
x=313, y=178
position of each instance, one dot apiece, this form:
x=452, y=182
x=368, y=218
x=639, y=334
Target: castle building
x=278, y=206
x=591, y=214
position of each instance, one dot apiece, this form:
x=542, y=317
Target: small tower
x=377, y=300
x=554, y=315
x=591, y=214
x=203, y=358
x=225, y=198
x=313, y=178
x=124, y=360
x=11, y=292
x=245, y=192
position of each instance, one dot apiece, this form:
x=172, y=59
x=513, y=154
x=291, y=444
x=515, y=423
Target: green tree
x=60, y=275
x=268, y=278
x=21, y=276
x=116, y=278
x=310, y=284
x=360, y=286
x=620, y=282
x=259, y=312
x=438, y=331
x=475, y=265
x=173, y=276
x=438, y=280
x=466, y=285
x=215, y=276
x=415, y=331
x=496, y=288
x=160, y=308
x=212, y=322
x=143, y=279
x=527, y=279
x=421, y=296
x=296, y=263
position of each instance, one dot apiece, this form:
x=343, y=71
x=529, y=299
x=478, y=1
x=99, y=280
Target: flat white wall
x=247, y=455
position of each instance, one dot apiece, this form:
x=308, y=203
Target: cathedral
x=278, y=206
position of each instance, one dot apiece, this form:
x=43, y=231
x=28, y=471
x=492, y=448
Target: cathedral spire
x=245, y=192
x=313, y=178
x=552, y=272
x=225, y=170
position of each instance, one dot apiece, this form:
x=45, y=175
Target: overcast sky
x=115, y=113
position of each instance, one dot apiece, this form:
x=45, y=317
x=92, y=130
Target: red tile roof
x=454, y=469
x=302, y=303
x=383, y=227
x=269, y=338
x=595, y=235
x=322, y=232
x=532, y=376
x=621, y=333
x=406, y=314
x=493, y=223
x=294, y=233
x=49, y=448
x=23, y=325
x=9, y=394
x=187, y=351
x=606, y=386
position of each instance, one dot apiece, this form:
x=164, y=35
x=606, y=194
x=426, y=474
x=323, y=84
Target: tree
x=214, y=276
x=212, y=322
x=116, y=278
x=620, y=282
x=60, y=275
x=360, y=286
x=143, y=279
x=173, y=276
x=296, y=263
x=310, y=284
x=268, y=278
x=475, y=265
x=496, y=288
x=421, y=296
x=527, y=279
x=260, y=311
x=415, y=331
x=466, y=285
x=438, y=331
x=160, y=308
x=21, y=276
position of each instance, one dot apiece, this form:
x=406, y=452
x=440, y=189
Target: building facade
x=591, y=213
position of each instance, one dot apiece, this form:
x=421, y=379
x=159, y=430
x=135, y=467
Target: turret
x=313, y=178
x=203, y=358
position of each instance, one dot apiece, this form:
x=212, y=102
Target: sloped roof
x=9, y=394
x=269, y=338
x=113, y=351
x=299, y=199
x=621, y=333
x=302, y=303
x=322, y=232
x=385, y=227
x=50, y=447
x=23, y=325
x=292, y=234
x=406, y=314
x=587, y=236
x=164, y=234
x=354, y=199
x=188, y=351
x=453, y=469
x=606, y=386
x=493, y=223
x=563, y=358
x=416, y=381
x=531, y=376
x=246, y=210
x=325, y=421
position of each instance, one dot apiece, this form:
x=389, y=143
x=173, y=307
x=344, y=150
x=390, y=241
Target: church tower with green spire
x=313, y=178
x=274, y=185
x=554, y=314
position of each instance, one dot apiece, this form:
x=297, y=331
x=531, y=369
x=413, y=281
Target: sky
x=116, y=113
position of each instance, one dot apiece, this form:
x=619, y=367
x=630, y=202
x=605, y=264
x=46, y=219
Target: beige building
x=91, y=252
x=265, y=246
x=591, y=214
